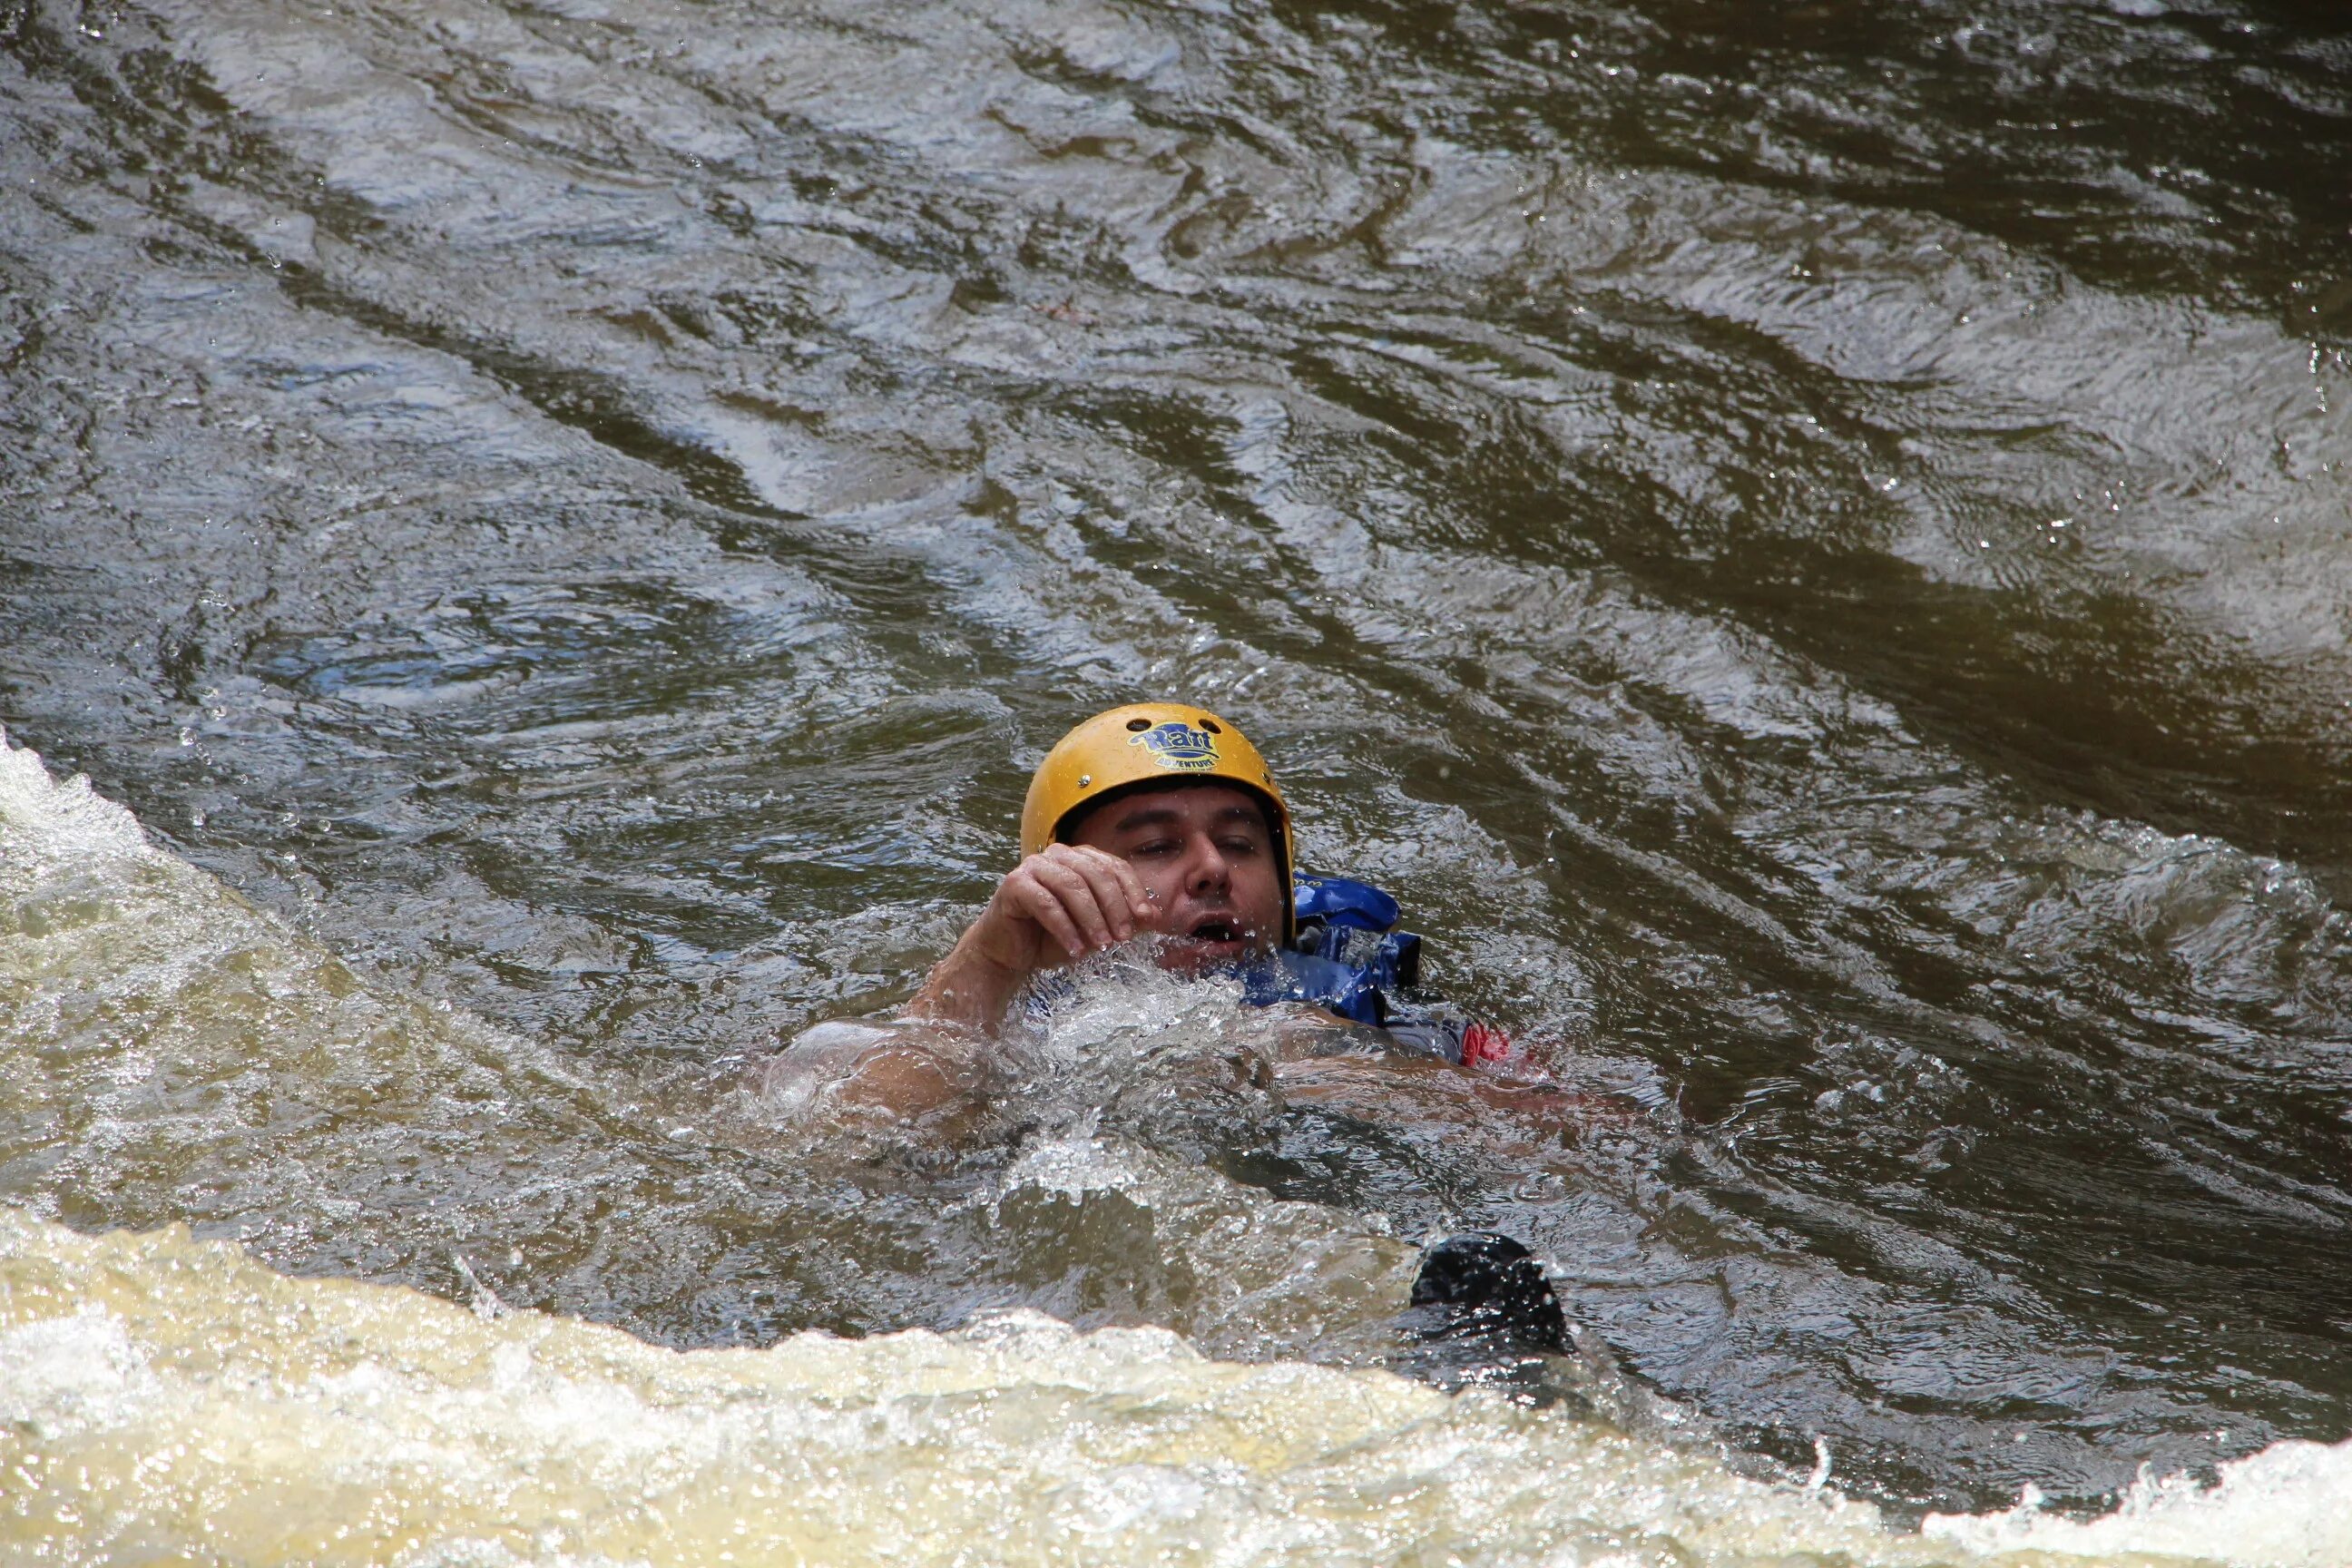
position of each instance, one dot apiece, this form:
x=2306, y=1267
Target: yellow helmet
x=1144, y=743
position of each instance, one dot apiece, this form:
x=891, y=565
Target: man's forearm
x=967, y=987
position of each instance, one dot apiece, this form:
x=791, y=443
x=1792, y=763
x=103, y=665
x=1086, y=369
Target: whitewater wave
x=169, y=1396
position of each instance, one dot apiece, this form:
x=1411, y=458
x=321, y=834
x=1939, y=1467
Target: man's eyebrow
x=1158, y=814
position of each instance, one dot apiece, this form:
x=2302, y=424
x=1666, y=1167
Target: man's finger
x=1141, y=900
x=1030, y=897
x=1067, y=883
x=1147, y=909
x=1113, y=882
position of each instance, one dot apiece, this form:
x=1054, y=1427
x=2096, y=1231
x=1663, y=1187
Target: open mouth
x=1208, y=944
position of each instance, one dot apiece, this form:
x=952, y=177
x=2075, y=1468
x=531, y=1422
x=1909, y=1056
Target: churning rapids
x=1808, y=541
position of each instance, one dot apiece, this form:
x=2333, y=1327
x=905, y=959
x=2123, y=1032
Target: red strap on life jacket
x=1484, y=1043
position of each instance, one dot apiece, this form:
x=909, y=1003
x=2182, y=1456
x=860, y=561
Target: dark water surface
x=1811, y=543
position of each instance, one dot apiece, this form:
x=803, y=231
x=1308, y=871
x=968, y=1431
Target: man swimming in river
x=1162, y=818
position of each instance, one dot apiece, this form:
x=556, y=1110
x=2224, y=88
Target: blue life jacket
x=1350, y=958
x=1287, y=974
x=1355, y=923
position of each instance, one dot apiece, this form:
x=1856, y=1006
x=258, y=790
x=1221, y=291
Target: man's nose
x=1208, y=871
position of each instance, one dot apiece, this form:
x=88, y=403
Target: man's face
x=1203, y=854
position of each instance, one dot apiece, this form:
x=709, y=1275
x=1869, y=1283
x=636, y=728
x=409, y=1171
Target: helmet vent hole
x=1139, y=723
x=1212, y=726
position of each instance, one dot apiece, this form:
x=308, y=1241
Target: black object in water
x=1482, y=1312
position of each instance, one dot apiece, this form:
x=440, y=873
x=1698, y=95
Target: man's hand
x=1054, y=908
x=1060, y=904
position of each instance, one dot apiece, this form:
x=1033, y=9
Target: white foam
x=42, y=821
x=70, y=1375
x=2283, y=1508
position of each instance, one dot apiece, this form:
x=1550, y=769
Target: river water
x=1809, y=543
